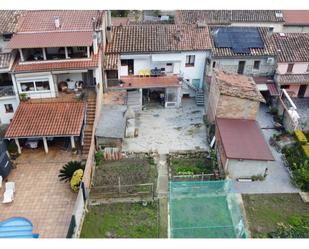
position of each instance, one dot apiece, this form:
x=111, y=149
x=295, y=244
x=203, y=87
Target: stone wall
x=196, y=154
x=213, y=99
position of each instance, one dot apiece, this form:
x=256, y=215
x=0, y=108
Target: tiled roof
x=243, y=139
x=9, y=20
x=292, y=78
x=70, y=20
x=111, y=61
x=237, y=85
x=47, y=119
x=226, y=16
x=148, y=82
x=57, y=65
x=158, y=38
x=5, y=60
x=296, y=17
x=268, y=50
x=292, y=47
x=52, y=39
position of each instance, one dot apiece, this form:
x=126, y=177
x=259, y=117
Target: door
x=241, y=67
x=302, y=91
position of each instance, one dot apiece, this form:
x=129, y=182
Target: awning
x=50, y=39
x=46, y=120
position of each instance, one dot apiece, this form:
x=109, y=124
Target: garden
x=122, y=220
x=277, y=215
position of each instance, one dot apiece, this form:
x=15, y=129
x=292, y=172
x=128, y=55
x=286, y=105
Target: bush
x=300, y=136
x=306, y=150
x=99, y=157
x=12, y=148
x=301, y=176
x=76, y=179
x=257, y=178
x=67, y=171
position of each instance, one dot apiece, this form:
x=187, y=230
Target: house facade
x=171, y=61
x=292, y=71
x=57, y=50
x=8, y=98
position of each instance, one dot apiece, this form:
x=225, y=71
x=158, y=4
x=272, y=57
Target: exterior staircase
x=90, y=116
x=200, y=98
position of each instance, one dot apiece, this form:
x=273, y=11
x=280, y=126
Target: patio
x=40, y=196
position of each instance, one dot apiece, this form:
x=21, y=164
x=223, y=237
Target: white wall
x=71, y=76
x=298, y=68
x=6, y=117
x=277, y=26
x=295, y=29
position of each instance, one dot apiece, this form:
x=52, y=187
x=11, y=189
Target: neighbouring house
x=159, y=62
x=292, y=71
x=296, y=21
x=242, y=149
x=59, y=51
x=111, y=127
x=47, y=122
x=242, y=50
x=8, y=99
x=252, y=18
x=233, y=96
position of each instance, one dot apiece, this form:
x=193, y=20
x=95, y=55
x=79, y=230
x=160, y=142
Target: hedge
x=306, y=150
x=300, y=136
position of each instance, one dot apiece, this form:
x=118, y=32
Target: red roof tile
x=57, y=65
x=52, y=39
x=47, y=119
x=296, y=17
x=272, y=88
x=243, y=139
x=149, y=82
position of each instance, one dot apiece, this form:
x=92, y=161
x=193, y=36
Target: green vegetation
x=67, y=171
x=184, y=166
x=121, y=220
x=300, y=136
x=163, y=217
x=12, y=148
x=267, y=212
x=306, y=150
x=119, y=13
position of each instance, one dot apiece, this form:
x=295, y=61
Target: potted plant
x=13, y=150
x=67, y=171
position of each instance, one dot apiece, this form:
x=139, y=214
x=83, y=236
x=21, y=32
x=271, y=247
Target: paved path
x=162, y=184
x=278, y=179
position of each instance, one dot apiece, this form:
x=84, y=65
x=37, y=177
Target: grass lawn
x=265, y=211
x=130, y=171
x=121, y=220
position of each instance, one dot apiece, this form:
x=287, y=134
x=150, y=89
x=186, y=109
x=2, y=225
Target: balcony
x=6, y=91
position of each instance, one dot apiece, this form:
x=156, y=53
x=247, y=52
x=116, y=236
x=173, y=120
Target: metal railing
x=6, y=91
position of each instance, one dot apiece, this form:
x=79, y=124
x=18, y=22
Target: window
x=290, y=68
x=35, y=86
x=213, y=64
x=190, y=59
x=8, y=108
x=285, y=87
x=256, y=65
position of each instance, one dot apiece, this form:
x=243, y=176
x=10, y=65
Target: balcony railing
x=6, y=91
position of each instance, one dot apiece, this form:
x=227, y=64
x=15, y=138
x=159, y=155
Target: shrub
x=76, y=179
x=12, y=148
x=300, y=136
x=301, y=176
x=306, y=150
x=99, y=157
x=67, y=171
x=258, y=178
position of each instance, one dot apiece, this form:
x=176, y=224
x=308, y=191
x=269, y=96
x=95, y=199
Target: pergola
x=45, y=120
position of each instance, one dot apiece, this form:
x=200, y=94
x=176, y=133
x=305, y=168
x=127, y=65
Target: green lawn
x=265, y=211
x=121, y=220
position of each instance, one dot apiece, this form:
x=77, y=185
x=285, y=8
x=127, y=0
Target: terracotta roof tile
x=226, y=16
x=47, y=119
x=5, y=60
x=158, y=38
x=111, y=61
x=52, y=39
x=237, y=85
x=10, y=20
x=296, y=17
x=291, y=47
x=283, y=79
x=243, y=139
x=268, y=50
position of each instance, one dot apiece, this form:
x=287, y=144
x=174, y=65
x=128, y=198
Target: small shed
x=242, y=149
x=110, y=130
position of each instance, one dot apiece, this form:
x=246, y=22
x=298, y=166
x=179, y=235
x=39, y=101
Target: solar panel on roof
x=239, y=39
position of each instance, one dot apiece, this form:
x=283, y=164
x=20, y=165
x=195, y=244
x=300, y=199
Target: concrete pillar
x=45, y=145
x=66, y=53
x=21, y=54
x=72, y=142
x=18, y=145
x=44, y=54
x=88, y=52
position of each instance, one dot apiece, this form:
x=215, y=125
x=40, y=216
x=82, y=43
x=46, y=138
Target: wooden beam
x=45, y=145
x=18, y=145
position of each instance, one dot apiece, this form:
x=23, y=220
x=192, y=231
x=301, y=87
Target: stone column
x=18, y=145
x=45, y=145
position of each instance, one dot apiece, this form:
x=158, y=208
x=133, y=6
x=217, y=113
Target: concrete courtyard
x=302, y=105
x=168, y=129
x=40, y=196
x=278, y=179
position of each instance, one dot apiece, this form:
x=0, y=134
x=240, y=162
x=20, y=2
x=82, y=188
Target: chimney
x=57, y=22
x=270, y=31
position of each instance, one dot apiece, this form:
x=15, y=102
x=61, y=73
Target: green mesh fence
x=204, y=210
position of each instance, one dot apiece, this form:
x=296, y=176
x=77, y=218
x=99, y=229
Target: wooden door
x=241, y=67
